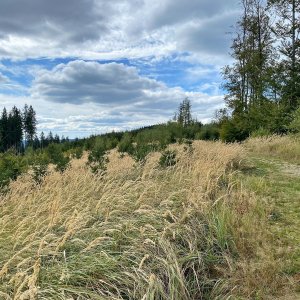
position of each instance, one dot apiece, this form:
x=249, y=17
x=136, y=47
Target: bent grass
x=188, y=231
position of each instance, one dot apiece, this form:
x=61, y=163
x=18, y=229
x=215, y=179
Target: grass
x=277, y=180
x=139, y=231
x=286, y=148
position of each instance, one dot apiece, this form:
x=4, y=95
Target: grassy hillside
x=140, y=231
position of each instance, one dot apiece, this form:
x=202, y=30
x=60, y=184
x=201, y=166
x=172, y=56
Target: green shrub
x=261, y=132
x=39, y=167
x=125, y=145
x=57, y=157
x=97, y=159
x=168, y=159
x=232, y=131
x=76, y=152
x=294, y=126
x=142, y=150
x=209, y=132
x=11, y=166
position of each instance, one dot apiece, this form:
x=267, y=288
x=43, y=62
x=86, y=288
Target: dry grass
x=281, y=147
x=137, y=232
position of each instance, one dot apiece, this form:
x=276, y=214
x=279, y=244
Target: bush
x=40, y=167
x=11, y=166
x=168, y=159
x=76, y=152
x=97, y=157
x=142, y=150
x=261, y=132
x=57, y=157
x=209, y=132
x=294, y=126
x=125, y=145
x=232, y=131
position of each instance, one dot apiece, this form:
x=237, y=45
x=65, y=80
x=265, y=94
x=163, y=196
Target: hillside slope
x=140, y=231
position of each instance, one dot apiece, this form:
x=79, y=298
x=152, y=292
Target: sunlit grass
x=138, y=231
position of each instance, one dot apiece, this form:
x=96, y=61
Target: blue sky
x=92, y=66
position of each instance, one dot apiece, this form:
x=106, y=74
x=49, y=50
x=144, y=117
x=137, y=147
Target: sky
x=93, y=66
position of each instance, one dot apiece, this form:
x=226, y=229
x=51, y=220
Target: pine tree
x=4, y=131
x=15, y=129
x=184, y=115
x=43, y=142
x=29, y=123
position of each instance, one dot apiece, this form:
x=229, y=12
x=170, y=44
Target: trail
x=280, y=185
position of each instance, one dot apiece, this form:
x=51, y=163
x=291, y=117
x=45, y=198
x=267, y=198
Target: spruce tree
x=29, y=122
x=4, y=131
x=15, y=129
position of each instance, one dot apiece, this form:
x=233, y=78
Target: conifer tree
x=29, y=123
x=15, y=129
x=4, y=130
x=184, y=115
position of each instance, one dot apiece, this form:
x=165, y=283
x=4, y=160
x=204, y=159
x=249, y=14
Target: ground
x=277, y=182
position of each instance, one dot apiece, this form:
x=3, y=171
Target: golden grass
x=285, y=147
x=137, y=232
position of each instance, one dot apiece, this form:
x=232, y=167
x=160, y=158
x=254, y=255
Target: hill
x=196, y=228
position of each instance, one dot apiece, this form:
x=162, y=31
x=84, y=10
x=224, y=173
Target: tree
x=29, y=123
x=287, y=30
x=184, y=115
x=251, y=82
x=43, y=141
x=248, y=80
x=4, y=131
x=15, y=129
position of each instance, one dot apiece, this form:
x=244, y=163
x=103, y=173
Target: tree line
x=263, y=83
x=15, y=125
x=18, y=130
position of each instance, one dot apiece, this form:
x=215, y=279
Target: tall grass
x=284, y=147
x=136, y=231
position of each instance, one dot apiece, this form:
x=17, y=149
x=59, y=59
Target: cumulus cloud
x=83, y=82
x=79, y=82
x=109, y=97
x=102, y=29
x=86, y=96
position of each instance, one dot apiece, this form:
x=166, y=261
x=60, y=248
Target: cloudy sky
x=91, y=66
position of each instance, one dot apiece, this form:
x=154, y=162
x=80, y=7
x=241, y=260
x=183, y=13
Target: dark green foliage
x=168, y=159
x=184, y=114
x=125, y=144
x=232, y=131
x=29, y=123
x=262, y=84
x=208, y=132
x=97, y=159
x=141, y=150
x=76, y=152
x=11, y=166
x=294, y=126
x=14, y=130
x=57, y=157
x=39, y=166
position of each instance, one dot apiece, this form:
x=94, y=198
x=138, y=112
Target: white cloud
x=102, y=29
x=82, y=98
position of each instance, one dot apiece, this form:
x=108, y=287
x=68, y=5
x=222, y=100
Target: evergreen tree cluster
x=16, y=125
x=263, y=83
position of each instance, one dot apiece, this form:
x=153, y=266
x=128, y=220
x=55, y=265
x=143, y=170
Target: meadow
x=187, y=230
